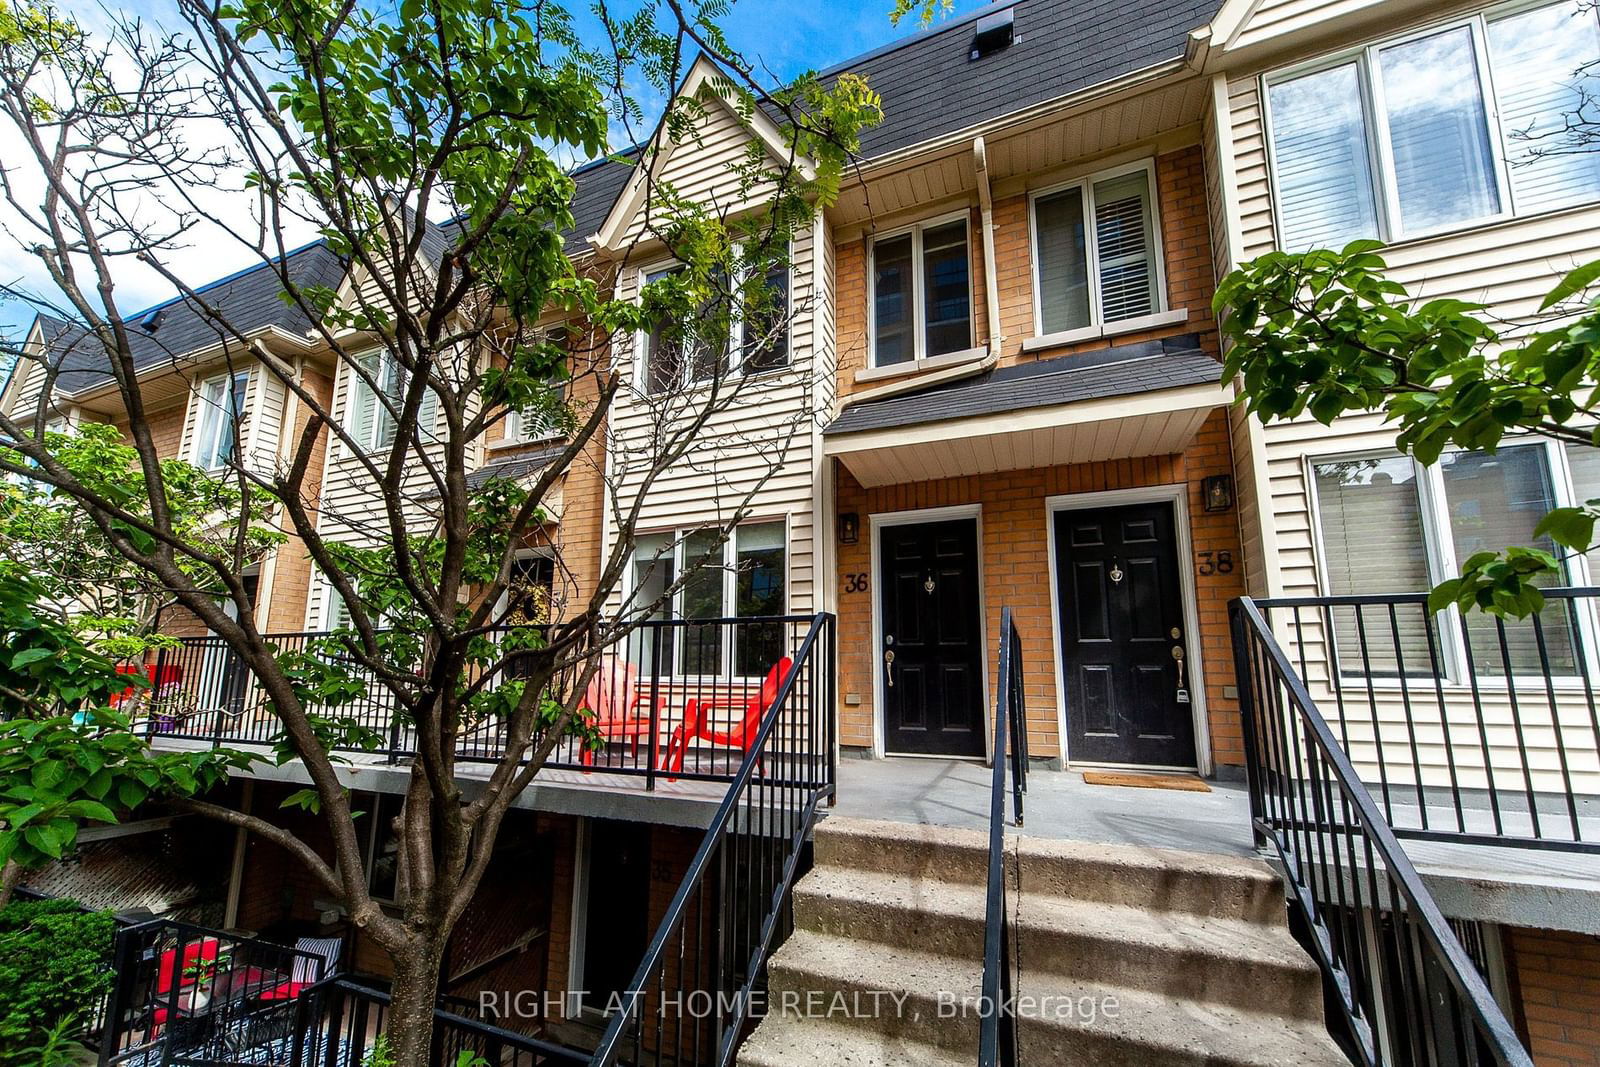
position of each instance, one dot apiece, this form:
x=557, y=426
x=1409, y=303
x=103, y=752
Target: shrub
x=55, y=964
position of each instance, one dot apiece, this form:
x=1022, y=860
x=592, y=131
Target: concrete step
x=1106, y=1026
x=1196, y=883
x=1233, y=962
x=938, y=917
x=788, y=1042
x=933, y=997
x=946, y=853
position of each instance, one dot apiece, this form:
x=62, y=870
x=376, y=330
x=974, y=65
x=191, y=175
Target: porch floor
x=1058, y=804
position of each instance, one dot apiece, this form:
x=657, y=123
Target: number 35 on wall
x=1208, y=563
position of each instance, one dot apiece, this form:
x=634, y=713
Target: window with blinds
x=1547, y=71
x=372, y=420
x=1368, y=510
x=1445, y=107
x=221, y=405
x=1095, y=252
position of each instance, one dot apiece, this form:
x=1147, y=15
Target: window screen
x=1062, y=242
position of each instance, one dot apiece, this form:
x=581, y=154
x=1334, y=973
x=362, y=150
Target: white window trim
x=357, y=391
x=730, y=574
x=1386, y=196
x=205, y=412
x=735, y=354
x=512, y=425
x=919, y=349
x=1098, y=326
x=1439, y=551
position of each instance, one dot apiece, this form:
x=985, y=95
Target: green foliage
x=55, y=960
x=380, y=1054
x=109, y=600
x=1327, y=333
x=66, y=758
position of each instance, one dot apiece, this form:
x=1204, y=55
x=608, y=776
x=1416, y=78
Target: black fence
x=187, y=994
x=699, y=985
x=671, y=699
x=1468, y=727
x=997, y=1033
x=1406, y=990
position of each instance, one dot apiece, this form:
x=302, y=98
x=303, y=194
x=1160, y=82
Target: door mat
x=1188, y=783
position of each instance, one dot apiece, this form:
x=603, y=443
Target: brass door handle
x=888, y=666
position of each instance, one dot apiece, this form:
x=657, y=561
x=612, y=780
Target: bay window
x=744, y=576
x=217, y=421
x=1095, y=251
x=921, y=301
x=1457, y=124
x=1387, y=524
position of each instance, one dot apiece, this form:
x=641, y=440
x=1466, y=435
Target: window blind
x=1124, y=247
x=1323, y=169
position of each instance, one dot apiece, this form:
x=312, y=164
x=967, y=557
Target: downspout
x=991, y=285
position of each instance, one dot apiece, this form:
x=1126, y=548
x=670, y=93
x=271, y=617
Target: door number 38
x=1214, y=562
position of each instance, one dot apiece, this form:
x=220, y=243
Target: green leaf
x=1576, y=281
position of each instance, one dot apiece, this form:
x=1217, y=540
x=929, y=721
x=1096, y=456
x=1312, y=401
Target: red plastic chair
x=740, y=734
x=614, y=698
x=169, y=674
x=169, y=970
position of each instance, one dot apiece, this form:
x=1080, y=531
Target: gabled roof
x=249, y=298
x=1119, y=370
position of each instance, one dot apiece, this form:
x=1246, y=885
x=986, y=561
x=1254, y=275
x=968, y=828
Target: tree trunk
x=10, y=878
x=415, y=991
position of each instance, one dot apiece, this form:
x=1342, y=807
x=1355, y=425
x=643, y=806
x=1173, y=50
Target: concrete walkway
x=1058, y=804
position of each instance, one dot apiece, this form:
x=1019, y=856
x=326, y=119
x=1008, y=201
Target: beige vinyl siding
x=1508, y=266
x=1270, y=20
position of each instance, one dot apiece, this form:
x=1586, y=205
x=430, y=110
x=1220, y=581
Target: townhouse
x=1000, y=388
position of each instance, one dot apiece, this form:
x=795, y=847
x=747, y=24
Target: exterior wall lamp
x=1217, y=490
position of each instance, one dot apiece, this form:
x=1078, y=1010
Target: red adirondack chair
x=741, y=733
x=615, y=698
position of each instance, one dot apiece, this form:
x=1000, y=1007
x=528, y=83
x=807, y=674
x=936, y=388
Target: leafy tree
x=55, y=961
x=1327, y=333
x=427, y=145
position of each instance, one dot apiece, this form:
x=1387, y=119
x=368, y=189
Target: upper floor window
x=372, y=420
x=540, y=423
x=1095, y=251
x=723, y=338
x=221, y=404
x=921, y=298
x=1458, y=124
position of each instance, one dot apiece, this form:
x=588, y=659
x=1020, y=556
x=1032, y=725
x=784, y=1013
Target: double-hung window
x=543, y=421
x=743, y=328
x=1387, y=524
x=1096, y=254
x=217, y=426
x=744, y=576
x=1461, y=123
x=921, y=293
x=372, y=422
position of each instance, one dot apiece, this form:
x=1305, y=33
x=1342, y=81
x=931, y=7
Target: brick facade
x=1555, y=979
x=1015, y=525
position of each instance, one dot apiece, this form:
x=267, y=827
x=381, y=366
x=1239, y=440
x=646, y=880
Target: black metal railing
x=668, y=697
x=186, y=994
x=342, y=1020
x=696, y=989
x=1407, y=993
x=1468, y=727
x=997, y=1033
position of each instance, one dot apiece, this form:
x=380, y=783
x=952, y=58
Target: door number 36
x=1214, y=562
x=855, y=583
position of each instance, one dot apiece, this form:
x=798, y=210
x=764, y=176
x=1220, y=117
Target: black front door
x=1123, y=646
x=932, y=649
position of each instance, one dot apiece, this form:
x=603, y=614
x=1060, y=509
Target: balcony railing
x=1406, y=991
x=672, y=698
x=997, y=1029
x=1465, y=727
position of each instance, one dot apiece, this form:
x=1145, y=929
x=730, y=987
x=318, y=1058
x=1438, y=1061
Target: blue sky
x=786, y=38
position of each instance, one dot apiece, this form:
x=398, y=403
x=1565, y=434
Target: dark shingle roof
x=1121, y=370
x=250, y=300
x=515, y=467
x=929, y=87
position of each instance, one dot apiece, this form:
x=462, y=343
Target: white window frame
x=359, y=392
x=513, y=427
x=1440, y=553
x=1097, y=325
x=1369, y=79
x=735, y=354
x=919, y=347
x=730, y=575
x=207, y=413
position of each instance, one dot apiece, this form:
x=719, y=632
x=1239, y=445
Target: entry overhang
x=1138, y=400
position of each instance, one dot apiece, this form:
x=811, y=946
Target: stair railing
x=1404, y=985
x=997, y=1034
x=702, y=977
